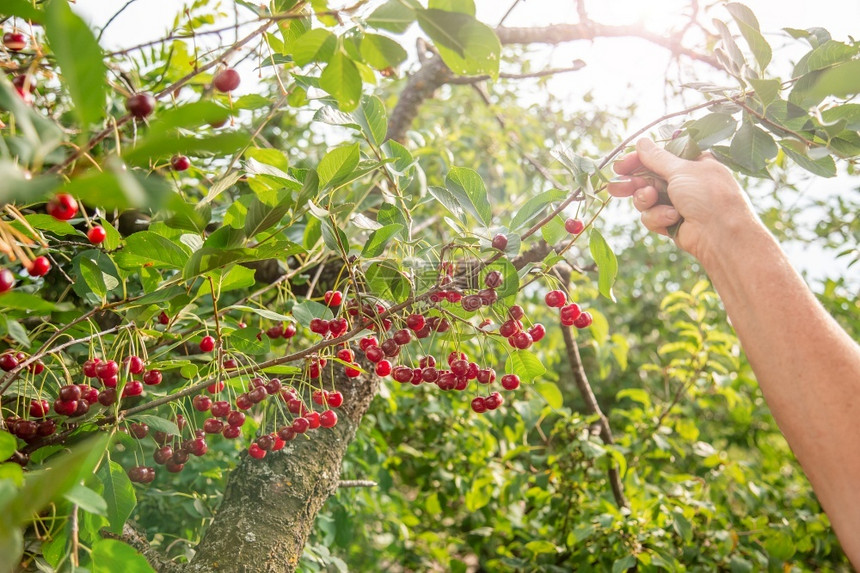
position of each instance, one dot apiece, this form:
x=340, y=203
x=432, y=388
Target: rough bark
x=270, y=505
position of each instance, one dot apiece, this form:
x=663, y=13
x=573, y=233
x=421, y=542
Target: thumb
x=657, y=159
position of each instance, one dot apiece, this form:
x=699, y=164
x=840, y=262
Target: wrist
x=734, y=237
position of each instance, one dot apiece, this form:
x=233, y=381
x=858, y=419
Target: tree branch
x=137, y=539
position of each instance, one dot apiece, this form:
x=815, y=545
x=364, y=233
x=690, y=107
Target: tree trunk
x=270, y=505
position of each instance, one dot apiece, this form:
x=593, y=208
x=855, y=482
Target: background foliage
x=304, y=175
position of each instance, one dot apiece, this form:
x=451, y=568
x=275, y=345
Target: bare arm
x=807, y=366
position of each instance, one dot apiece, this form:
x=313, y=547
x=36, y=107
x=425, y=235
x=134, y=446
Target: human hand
x=703, y=192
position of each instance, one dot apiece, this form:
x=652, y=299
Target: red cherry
x=213, y=426
x=273, y=386
x=105, y=370
x=275, y=331
x=198, y=447
x=555, y=298
x=89, y=394
x=97, y=235
x=70, y=393
x=231, y=432
x=266, y=442
x=500, y=242
x=352, y=372
x=65, y=408
x=230, y=364
x=334, y=399
x=107, y=396
x=301, y=425
x=279, y=443
x=570, y=312
x=373, y=353
x=226, y=80
x=163, y=318
x=243, y=402
x=390, y=348
x=236, y=418
x=516, y=312
x=180, y=163
x=256, y=451
x=135, y=364
x=289, y=330
x=139, y=430
x=415, y=322
x=493, y=279
x=401, y=337
x=584, y=320
x=319, y=397
x=8, y=362
x=537, y=332
x=333, y=298
x=367, y=342
x=62, y=207
x=346, y=354
x=427, y=361
x=509, y=328
x=133, y=388
x=522, y=340
x=493, y=401
x=14, y=41
x=36, y=367
x=24, y=82
x=402, y=374
x=162, y=455
x=258, y=394
x=313, y=419
x=328, y=419
x=39, y=267
x=479, y=405
x=319, y=325
x=429, y=374
x=220, y=409
x=574, y=226
x=152, y=377
x=216, y=387
x=7, y=280
x=383, y=368
x=39, y=408
x=338, y=326
x=140, y=105
x=459, y=367
x=201, y=402
x=486, y=376
x=453, y=297
x=207, y=344
x=46, y=427
x=456, y=356
x=510, y=381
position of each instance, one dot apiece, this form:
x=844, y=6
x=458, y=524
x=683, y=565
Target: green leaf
x=607, y=264
x=261, y=216
x=150, y=248
x=749, y=27
x=59, y=475
x=116, y=188
x=187, y=116
x=317, y=45
x=245, y=340
x=86, y=499
x=265, y=313
x=752, y=147
x=524, y=364
x=841, y=81
x=467, y=46
x=8, y=445
x=464, y=6
x=393, y=16
x=158, y=423
x=341, y=79
x=48, y=223
x=165, y=144
x=823, y=167
x=623, y=564
x=469, y=190
x=550, y=392
x=372, y=119
x=338, y=164
x=766, y=90
x=80, y=59
x=711, y=129
x=23, y=10
x=780, y=546
x=378, y=240
x=306, y=311
x=381, y=52
x=111, y=555
x=94, y=278
x=118, y=493
x=448, y=199
x=541, y=546
x=23, y=301
x=534, y=206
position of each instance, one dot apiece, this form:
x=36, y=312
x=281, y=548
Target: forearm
x=807, y=366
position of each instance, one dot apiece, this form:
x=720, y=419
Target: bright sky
x=618, y=71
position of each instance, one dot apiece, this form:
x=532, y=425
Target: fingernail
x=645, y=142
x=619, y=179
x=671, y=214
